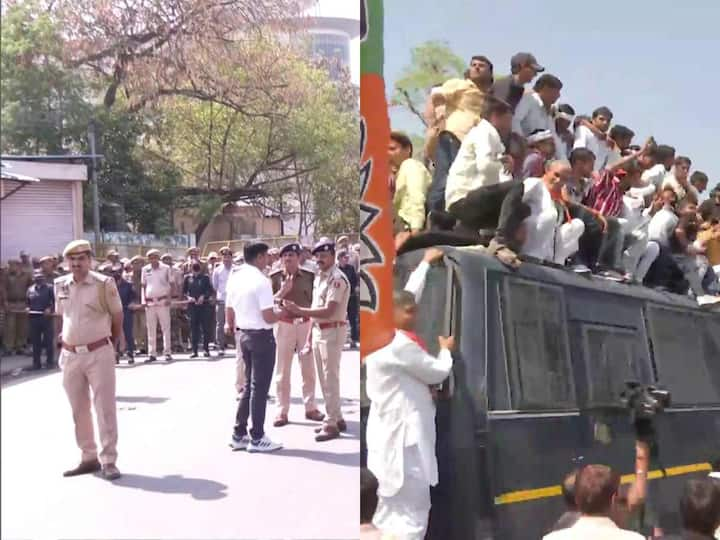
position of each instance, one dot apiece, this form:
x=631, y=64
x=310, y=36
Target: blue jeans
x=447, y=149
x=128, y=317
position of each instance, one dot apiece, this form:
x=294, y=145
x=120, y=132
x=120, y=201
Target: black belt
x=251, y=330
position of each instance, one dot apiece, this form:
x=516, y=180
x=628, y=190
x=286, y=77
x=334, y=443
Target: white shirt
x=402, y=413
x=249, y=293
x=156, y=281
x=219, y=280
x=531, y=114
x=662, y=226
x=632, y=212
x=584, y=138
x=416, y=281
x=680, y=191
x=477, y=163
x=654, y=175
x=593, y=528
x=537, y=196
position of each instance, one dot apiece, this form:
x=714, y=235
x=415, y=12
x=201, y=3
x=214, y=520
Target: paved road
x=181, y=480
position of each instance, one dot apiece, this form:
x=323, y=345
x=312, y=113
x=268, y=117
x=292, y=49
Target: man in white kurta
x=401, y=425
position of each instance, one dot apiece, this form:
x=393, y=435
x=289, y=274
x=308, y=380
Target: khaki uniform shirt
x=176, y=281
x=86, y=307
x=331, y=286
x=16, y=286
x=302, y=289
x=412, y=182
x=157, y=281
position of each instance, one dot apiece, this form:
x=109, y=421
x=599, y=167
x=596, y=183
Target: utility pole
x=93, y=180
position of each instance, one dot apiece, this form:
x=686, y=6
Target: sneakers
x=580, y=269
x=239, y=444
x=612, y=275
x=263, y=445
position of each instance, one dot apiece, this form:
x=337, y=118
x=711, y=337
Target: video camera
x=644, y=402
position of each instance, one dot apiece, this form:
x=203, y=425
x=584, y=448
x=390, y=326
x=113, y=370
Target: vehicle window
x=612, y=356
x=536, y=343
x=682, y=348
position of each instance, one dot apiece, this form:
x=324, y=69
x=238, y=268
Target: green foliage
x=432, y=62
x=44, y=106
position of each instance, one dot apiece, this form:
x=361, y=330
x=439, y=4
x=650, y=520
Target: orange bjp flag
x=376, y=231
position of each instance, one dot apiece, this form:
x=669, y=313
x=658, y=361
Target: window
x=612, y=359
x=537, y=348
x=685, y=352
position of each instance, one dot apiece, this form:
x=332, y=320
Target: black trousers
x=128, y=317
x=482, y=207
x=200, y=322
x=258, y=353
x=598, y=248
x=447, y=149
x=353, y=312
x=41, y=337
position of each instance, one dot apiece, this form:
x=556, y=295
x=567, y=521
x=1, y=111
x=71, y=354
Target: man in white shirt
x=564, y=135
x=401, y=427
x=535, y=109
x=157, y=282
x=596, y=488
x=664, y=159
x=250, y=313
x=219, y=278
x=478, y=167
x=678, y=178
x=585, y=138
x=551, y=236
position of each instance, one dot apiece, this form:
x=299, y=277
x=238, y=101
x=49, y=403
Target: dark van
x=542, y=357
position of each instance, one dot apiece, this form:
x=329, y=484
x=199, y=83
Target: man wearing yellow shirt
x=464, y=101
x=409, y=186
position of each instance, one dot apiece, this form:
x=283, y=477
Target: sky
x=655, y=63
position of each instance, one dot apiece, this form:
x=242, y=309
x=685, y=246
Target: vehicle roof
x=472, y=259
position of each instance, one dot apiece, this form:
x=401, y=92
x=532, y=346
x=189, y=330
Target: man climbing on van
x=401, y=425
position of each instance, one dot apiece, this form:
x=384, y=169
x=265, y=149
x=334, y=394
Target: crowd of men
x=185, y=297
x=511, y=168
x=272, y=302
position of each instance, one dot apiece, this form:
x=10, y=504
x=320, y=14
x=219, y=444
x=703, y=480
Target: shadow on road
x=346, y=460
x=198, y=488
x=141, y=399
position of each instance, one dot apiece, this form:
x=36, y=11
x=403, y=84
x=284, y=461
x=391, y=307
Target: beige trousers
x=291, y=338
x=140, y=329
x=16, y=330
x=240, y=365
x=327, y=347
x=96, y=371
x=154, y=315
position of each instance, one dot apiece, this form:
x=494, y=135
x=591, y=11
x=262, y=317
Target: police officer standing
x=291, y=334
x=197, y=290
x=139, y=316
x=156, y=291
x=128, y=298
x=16, y=283
x=219, y=278
x=91, y=324
x=41, y=301
x=331, y=292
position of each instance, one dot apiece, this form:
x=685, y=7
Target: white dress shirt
x=584, y=138
x=219, y=280
x=654, y=175
x=531, y=114
x=249, y=293
x=477, y=163
x=593, y=528
x=402, y=413
x=662, y=226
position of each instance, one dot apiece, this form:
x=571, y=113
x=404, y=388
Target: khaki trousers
x=291, y=338
x=96, y=371
x=140, y=329
x=16, y=330
x=327, y=347
x=240, y=365
x=155, y=314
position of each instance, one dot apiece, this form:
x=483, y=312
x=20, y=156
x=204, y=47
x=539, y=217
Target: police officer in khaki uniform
x=17, y=280
x=91, y=326
x=331, y=292
x=177, y=305
x=291, y=335
x=156, y=293
x=139, y=317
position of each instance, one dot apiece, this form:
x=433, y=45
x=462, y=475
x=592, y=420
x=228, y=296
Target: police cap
x=153, y=252
x=137, y=258
x=292, y=247
x=112, y=253
x=323, y=246
x=76, y=247
x=45, y=259
x=225, y=249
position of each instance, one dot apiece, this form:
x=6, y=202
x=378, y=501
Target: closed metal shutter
x=37, y=218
